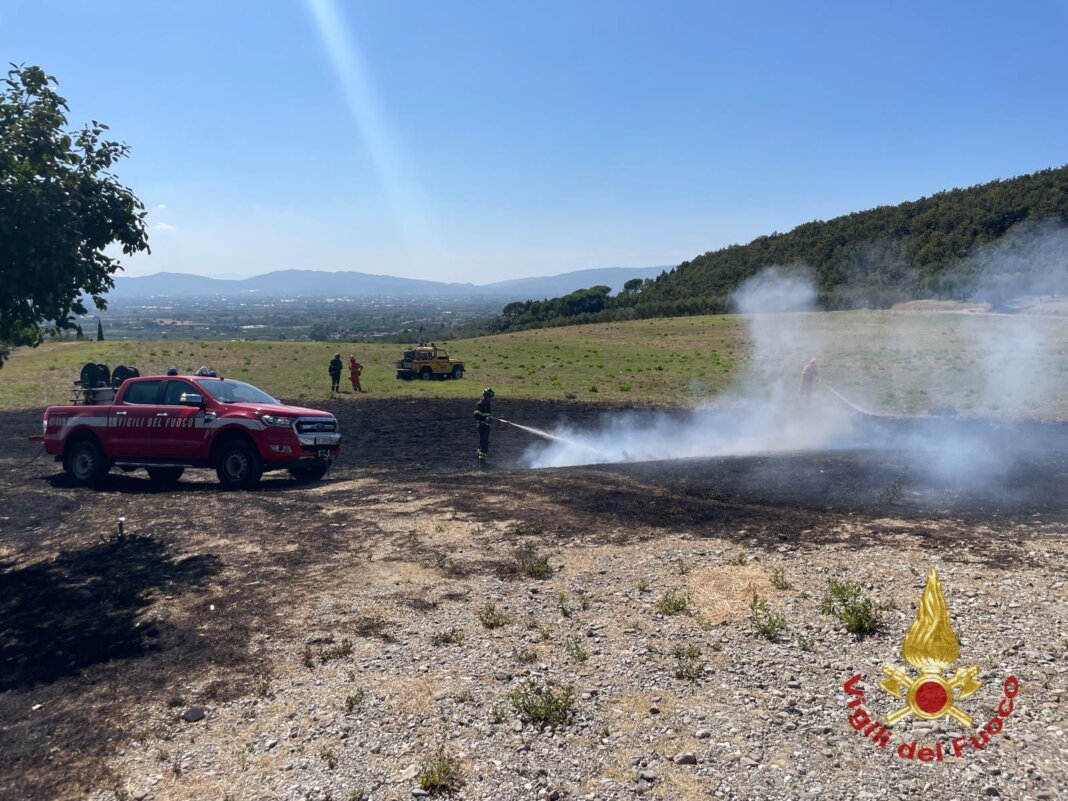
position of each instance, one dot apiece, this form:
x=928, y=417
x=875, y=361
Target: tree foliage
x=920, y=249
x=61, y=207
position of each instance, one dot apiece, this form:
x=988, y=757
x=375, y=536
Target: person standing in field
x=808, y=378
x=335, y=373
x=482, y=421
x=355, y=368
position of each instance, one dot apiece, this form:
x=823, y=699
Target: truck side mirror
x=191, y=399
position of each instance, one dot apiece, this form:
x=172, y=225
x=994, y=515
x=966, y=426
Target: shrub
x=844, y=601
x=779, y=580
x=492, y=617
x=452, y=636
x=542, y=704
x=440, y=773
x=765, y=622
x=529, y=563
x=575, y=649
x=354, y=701
x=688, y=664
x=329, y=653
x=526, y=656
x=673, y=602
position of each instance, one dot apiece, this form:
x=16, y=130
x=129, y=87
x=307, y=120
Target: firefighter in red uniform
x=808, y=378
x=355, y=368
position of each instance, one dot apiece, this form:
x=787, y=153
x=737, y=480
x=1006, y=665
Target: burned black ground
x=93, y=627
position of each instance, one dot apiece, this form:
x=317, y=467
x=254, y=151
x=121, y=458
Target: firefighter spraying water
x=483, y=420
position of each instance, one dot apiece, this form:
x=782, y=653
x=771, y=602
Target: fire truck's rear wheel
x=165, y=475
x=238, y=466
x=306, y=473
x=426, y=374
x=85, y=463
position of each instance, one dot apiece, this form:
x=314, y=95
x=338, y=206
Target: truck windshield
x=226, y=391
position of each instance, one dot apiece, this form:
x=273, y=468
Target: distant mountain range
x=318, y=283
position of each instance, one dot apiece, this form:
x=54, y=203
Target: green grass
x=543, y=364
x=889, y=362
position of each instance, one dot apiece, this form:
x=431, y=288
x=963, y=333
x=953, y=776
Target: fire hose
x=846, y=400
x=27, y=462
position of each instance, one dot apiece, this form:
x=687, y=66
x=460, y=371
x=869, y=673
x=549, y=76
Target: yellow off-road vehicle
x=428, y=361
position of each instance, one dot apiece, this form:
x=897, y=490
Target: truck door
x=179, y=437
x=133, y=420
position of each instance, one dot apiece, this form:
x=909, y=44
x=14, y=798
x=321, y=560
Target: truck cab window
x=173, y=393
x=142, y=392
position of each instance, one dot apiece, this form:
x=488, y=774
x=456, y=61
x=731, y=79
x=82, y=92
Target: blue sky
x=481, y=141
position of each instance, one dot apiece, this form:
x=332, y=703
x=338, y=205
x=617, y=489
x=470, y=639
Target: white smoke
x=1020, y=275
x=762, y=411
x=777, y=289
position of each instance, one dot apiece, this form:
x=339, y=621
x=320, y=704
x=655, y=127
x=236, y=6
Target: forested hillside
x=936, y=247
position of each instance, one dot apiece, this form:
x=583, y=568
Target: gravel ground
x=329, y=642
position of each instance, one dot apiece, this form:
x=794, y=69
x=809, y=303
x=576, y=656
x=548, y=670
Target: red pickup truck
x=168, y=423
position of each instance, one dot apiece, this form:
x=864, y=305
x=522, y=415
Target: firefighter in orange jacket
x=808, y=378
x=355, y=368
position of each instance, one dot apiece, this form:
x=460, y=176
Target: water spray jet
x=537, y=432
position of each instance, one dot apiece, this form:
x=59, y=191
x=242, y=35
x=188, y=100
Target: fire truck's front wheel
x=85, y=463
x=238, y=465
